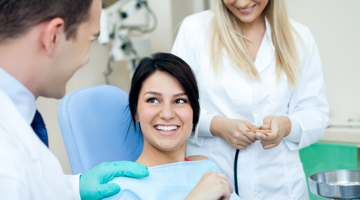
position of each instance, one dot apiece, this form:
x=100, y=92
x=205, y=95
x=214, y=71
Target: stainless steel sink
x=338, y=184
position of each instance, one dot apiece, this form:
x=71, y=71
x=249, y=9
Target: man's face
x=72, y=54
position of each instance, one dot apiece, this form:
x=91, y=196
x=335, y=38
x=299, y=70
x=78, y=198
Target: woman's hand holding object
x=212, y=186
x=280, y=127
x=231, y=130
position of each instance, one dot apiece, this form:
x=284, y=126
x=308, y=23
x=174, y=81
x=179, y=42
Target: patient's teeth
x=166, y=128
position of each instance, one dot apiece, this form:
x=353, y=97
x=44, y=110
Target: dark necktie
x=38, y=126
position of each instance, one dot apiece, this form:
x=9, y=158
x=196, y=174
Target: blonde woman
x=256, y=69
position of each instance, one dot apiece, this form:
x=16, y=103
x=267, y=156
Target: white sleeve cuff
x=74, y=186
x=204, y=126
x=296, y=131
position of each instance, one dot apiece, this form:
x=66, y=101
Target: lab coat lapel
x=18, y=128
x=265, y=55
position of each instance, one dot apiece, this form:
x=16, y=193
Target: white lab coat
x=262, y=174
x=28, y=169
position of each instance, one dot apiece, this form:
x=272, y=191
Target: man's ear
x=54, y=31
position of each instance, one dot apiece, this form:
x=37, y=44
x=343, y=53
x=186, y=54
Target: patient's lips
x=166, y=129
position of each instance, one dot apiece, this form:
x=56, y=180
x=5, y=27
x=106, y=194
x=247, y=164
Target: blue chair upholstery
x=96, y=127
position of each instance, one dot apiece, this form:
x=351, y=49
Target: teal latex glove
x=94, y=184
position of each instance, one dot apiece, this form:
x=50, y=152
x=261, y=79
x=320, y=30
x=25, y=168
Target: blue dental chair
x=96, y=127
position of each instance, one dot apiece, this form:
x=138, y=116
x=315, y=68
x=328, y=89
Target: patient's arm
x=212, y=186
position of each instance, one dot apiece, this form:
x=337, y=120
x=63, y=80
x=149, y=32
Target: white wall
x=161, y=38
x=335, y=27
x=181, y=9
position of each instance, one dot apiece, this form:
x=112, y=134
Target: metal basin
x=338, y=184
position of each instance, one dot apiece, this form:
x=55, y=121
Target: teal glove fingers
x=130, y=169
x=94, y=183
x=109, y=189
x=100, y=191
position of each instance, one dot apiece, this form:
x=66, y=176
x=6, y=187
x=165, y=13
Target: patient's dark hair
x=172, y=65
x=18, y=16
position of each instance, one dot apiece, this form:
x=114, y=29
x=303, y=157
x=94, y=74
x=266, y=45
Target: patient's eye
x=152, y=100
x=180, y=101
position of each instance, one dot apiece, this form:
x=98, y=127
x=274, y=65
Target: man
x=42, y=44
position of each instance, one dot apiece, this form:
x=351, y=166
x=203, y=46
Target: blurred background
x=334, y=24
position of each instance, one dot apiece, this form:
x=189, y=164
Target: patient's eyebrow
x=180, y=94
x=153, y=93
x=159, y=94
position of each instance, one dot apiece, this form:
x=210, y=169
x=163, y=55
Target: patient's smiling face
x=164, y=112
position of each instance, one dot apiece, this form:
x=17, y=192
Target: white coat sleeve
x=187, y=47
x=74, y=191
x=308, y=107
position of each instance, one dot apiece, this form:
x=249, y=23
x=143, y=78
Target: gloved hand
x=94, y=184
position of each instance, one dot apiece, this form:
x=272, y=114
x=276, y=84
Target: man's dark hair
x=18, y=16
x=172, y=65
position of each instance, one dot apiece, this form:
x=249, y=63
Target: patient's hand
x=212, y=186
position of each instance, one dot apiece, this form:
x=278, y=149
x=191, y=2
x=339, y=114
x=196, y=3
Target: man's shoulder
x=13, y=165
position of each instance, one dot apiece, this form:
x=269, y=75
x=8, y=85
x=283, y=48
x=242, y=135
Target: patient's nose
x=167, y=112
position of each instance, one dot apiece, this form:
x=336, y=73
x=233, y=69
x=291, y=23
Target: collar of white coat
x=266, y=51
x=23, y=99
x=268, y=30
x=17, y=128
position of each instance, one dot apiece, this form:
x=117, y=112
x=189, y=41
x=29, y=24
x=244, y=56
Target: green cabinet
x=321, y=157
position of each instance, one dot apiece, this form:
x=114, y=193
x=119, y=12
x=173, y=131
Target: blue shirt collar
x=23, y=99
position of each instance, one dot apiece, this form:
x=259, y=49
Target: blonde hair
x=227, y=34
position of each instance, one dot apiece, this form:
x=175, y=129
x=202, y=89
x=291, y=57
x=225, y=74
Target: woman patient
x=164, y=99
